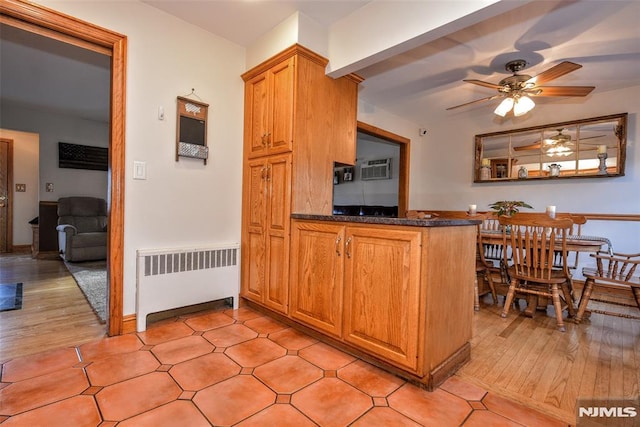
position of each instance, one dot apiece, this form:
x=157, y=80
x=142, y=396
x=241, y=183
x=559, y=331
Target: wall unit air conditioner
x=376, y=169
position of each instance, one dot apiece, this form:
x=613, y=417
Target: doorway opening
x=57, y=26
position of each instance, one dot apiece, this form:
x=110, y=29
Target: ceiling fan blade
x=537, y=145
x=485, y=84
x=489, y=98
x=563, y=90
x=554, y=72
x=528, y=147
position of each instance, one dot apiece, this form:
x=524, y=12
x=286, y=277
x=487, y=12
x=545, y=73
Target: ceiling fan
x=517, y=89
x=559, y=144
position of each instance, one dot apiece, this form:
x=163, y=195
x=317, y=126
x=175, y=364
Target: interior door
x=6, y=164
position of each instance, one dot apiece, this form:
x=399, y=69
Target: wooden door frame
x=404, y=144
x=56, y=25
x=9, y=201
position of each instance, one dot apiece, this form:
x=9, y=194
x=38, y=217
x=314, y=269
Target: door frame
x=404, y=144
x=50, y=23
x=9, y=201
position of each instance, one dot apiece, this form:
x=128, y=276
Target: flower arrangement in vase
x=508, y=207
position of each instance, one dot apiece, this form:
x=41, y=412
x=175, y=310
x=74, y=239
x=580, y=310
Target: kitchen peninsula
x=397, y=292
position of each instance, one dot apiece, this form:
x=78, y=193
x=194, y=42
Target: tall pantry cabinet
x=298, y=122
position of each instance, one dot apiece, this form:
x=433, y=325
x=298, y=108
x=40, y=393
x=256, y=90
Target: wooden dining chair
x=533, y=244
x=617, y=271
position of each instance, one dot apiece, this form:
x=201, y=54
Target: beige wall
x=183, y=203
x=26, y=157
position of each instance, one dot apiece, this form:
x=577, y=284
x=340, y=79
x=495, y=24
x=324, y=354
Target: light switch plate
x=139, y=170
x=21, y=188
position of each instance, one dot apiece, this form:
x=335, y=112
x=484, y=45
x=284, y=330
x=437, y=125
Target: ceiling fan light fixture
x=505, y=106
x=523, y=105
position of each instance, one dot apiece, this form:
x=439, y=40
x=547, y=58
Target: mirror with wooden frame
x=593, y=148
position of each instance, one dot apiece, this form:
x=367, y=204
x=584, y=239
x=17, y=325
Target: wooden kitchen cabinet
x=269, y=112
x=298, y=122
x=317, y=275
x=361, y=284
x=382, y=292
x=266, y=231
x=400, y=296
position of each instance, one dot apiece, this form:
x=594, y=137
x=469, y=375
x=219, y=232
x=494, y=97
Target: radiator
x=179, y=277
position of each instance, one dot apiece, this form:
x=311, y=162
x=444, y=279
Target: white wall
x=25, y=171
x=441, y=175
x=381, y=192
x=180, y=203
x=54, y=128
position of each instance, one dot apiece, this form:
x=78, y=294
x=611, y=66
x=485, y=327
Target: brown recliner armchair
x=82, y=228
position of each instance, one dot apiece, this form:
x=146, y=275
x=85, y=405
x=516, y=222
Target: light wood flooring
x=54, y=310
x=524, y=359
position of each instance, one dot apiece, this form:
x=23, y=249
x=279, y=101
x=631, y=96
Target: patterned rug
x=91, y=277
x=10, y=296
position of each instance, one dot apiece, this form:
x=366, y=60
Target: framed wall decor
x=191, y=129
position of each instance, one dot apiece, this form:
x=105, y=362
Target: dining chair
x=533, y=244
x=612, y=271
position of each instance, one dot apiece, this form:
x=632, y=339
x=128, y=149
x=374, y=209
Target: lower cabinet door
x=382, y=293
x=317, y=272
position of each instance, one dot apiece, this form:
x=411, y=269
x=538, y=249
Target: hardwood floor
x=54, y=310
x=524, y=359
x=529, y=361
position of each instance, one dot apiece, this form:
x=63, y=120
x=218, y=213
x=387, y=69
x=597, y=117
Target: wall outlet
x=21, y=188
x=49, y=187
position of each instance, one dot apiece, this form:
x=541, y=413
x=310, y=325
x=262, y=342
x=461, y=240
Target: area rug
x=91, y=277
x=10, y=296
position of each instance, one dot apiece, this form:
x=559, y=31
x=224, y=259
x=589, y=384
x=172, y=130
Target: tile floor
x=232, y=368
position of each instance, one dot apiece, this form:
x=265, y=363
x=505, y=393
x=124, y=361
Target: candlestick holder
x=602, y=168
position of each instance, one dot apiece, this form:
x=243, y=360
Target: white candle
x=602, y=149
x=472, y=209
x=551, y=211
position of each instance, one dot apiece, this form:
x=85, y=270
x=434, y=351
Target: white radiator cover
x=179, y=277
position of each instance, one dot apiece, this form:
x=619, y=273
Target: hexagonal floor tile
x=429, y=408
x=288, y=374
x=331, y=402
x=108, y=346
x=291, y=339
x=43, y=390
x=182, y=349
x=369, y=379
x=278, y=415
x=76, y=411
x=380, y=416
x=233, y=400
x=39, y=364
x=256, y=352
x=120, y=367
x=126, y=399
x=166, y=415
x=326, y=357
x=166, y=332
x=209, y=321
x=265, y=325
x=203, y=371
x=229, y=335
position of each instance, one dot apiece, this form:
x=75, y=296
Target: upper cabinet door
x=269, y=99
x=280, y=137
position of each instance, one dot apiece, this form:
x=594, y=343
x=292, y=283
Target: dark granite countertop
x=431, y=222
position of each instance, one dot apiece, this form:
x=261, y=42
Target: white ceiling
x=603, y=36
